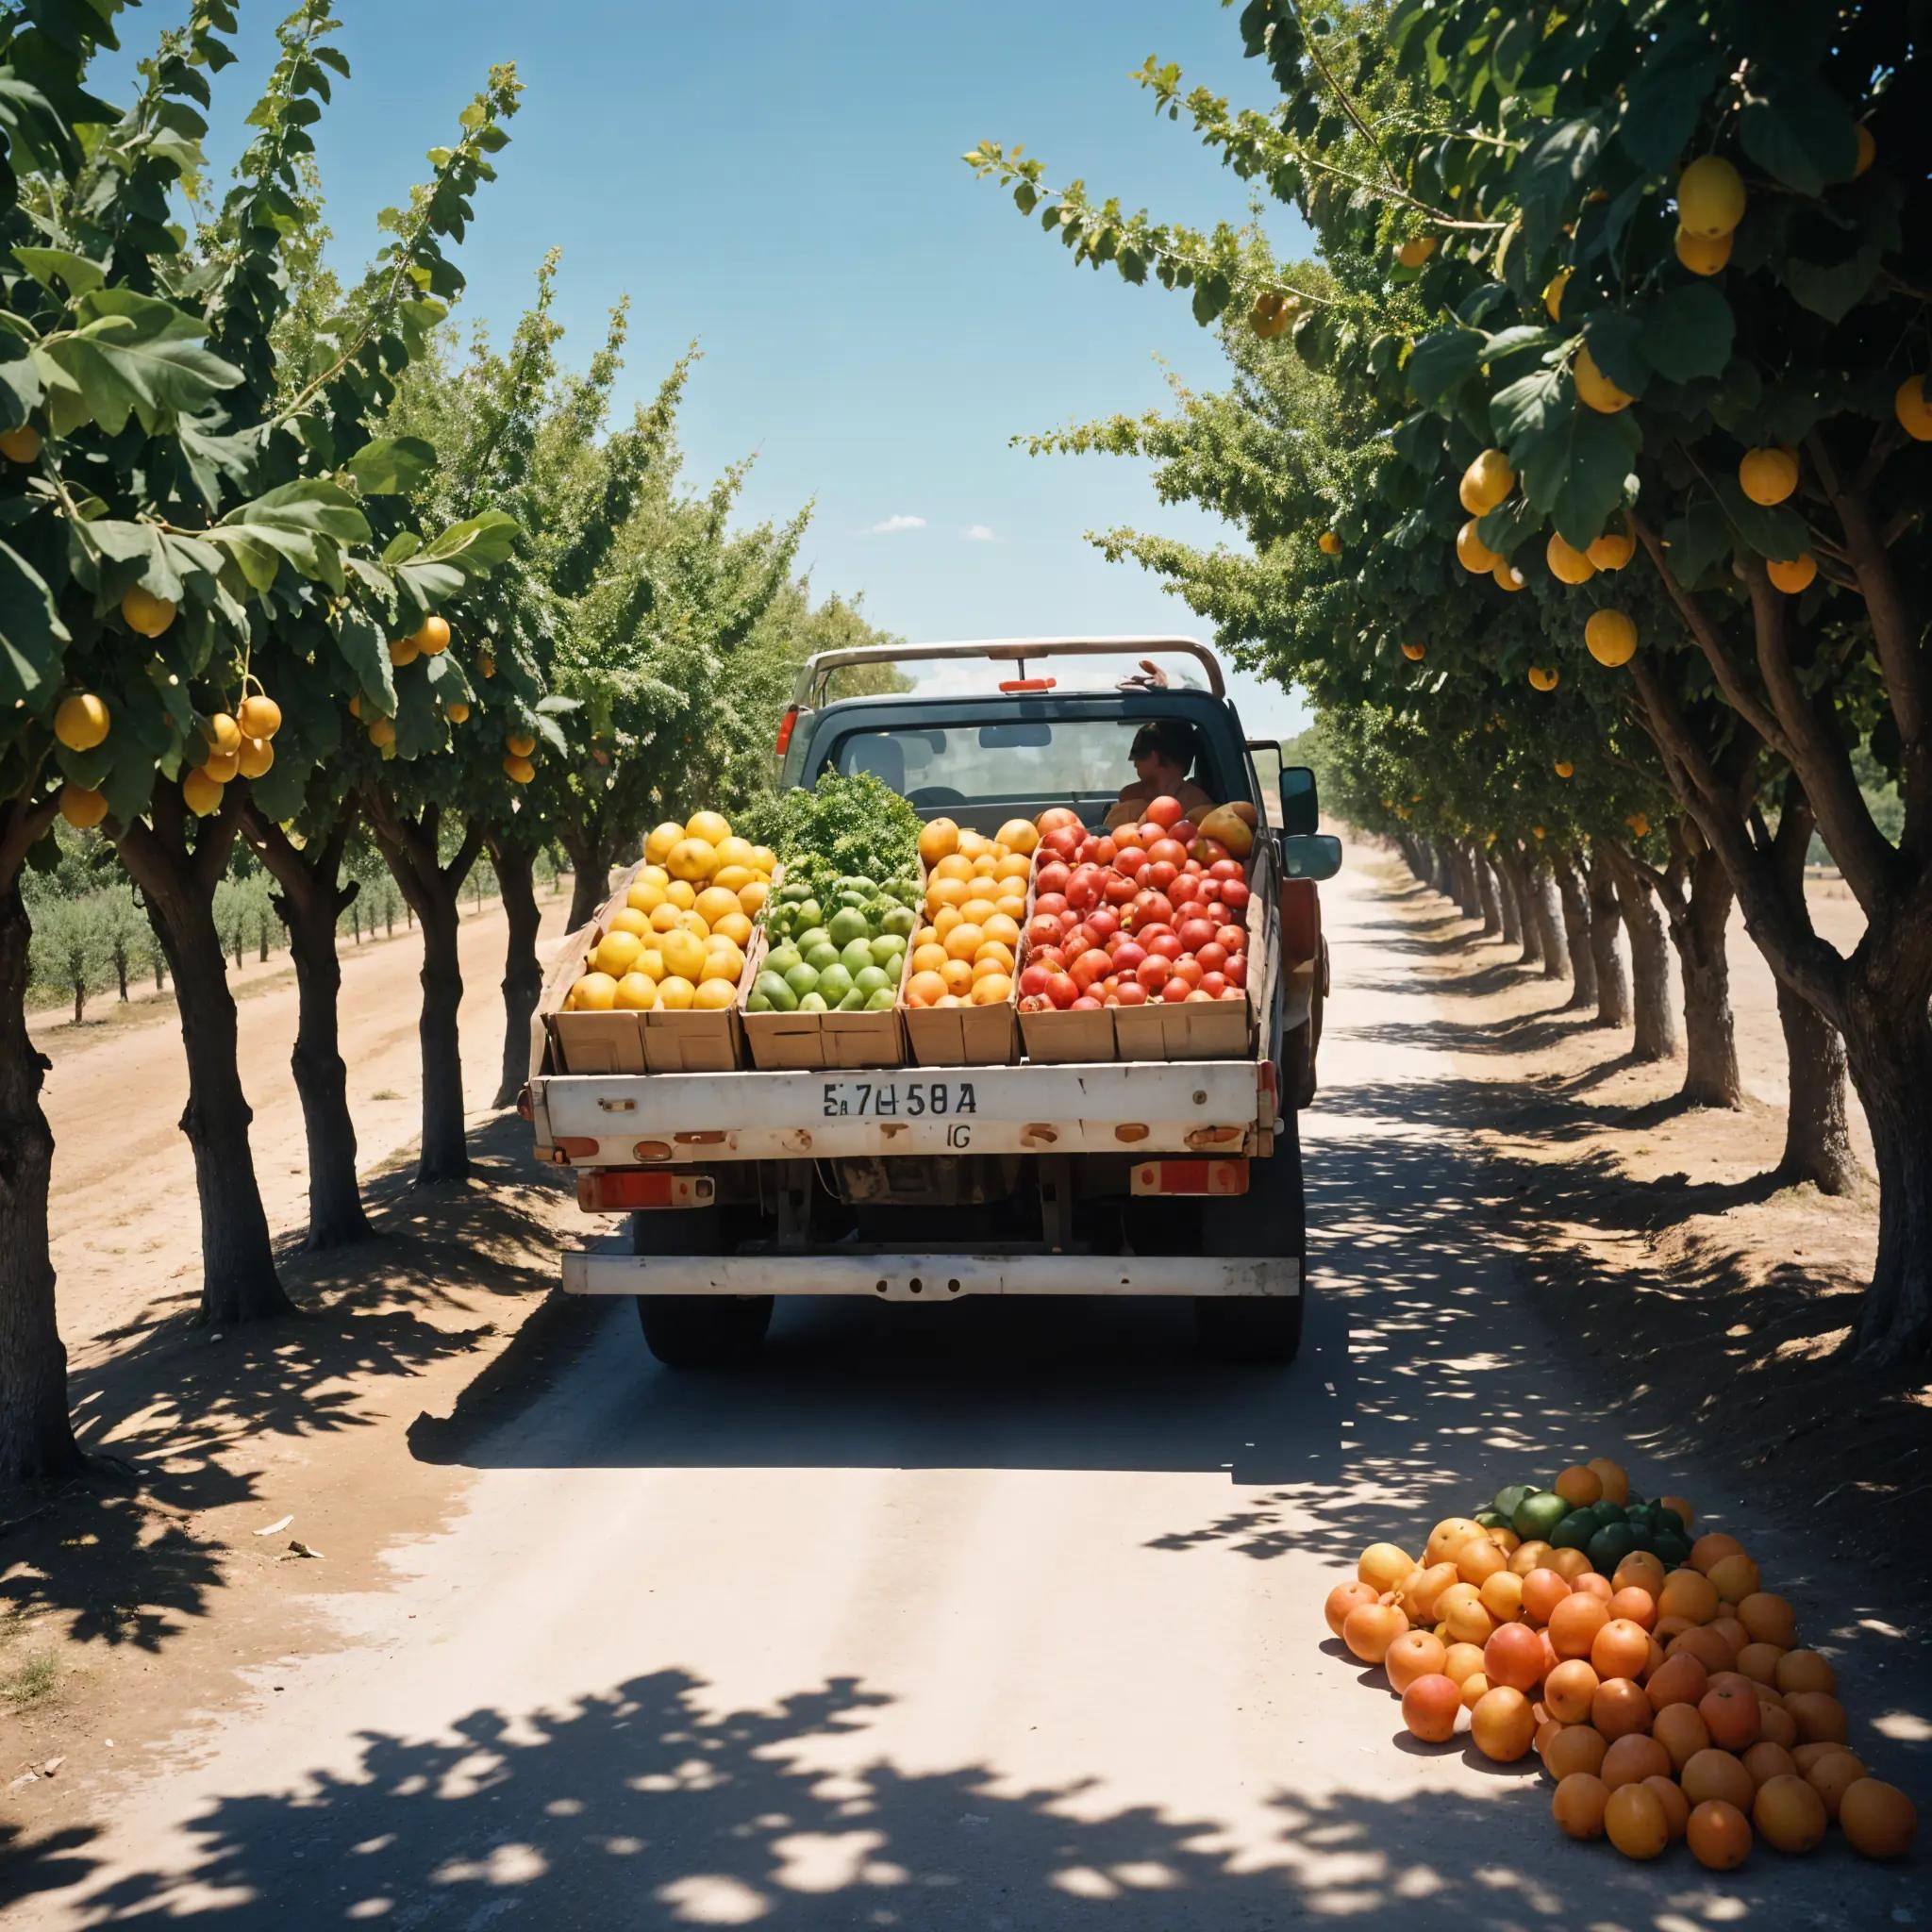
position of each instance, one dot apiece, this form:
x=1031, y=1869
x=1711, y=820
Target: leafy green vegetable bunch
x=845, y=827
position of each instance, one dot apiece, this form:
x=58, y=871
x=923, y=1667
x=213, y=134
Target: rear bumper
x=930, y=1278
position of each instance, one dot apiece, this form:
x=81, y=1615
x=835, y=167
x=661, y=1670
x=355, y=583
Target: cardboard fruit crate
x=962, y=1036
x=808, y=1042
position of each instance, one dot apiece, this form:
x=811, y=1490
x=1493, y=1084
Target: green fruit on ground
x=1509, y=1499
x=1609, y=1546
x=802, y=980
x=848, y=923
x=883, y=1001
x=776, y=995
x=1575, y=1531
x=781, y=960
x=1538, y=1514
x=1607, y=1511
x=870, y=980
x=1668, y=1521
x=856, y=955
x=814, y=1002
x=1491, y=1519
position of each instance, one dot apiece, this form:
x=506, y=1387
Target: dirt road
x=989, y=1616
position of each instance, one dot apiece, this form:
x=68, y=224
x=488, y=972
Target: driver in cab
x=1163, y=753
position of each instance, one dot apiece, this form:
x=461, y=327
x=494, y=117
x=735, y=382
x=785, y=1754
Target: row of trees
x=1584, y=474
x=287, y=570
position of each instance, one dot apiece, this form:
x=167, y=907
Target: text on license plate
x=900, y=1100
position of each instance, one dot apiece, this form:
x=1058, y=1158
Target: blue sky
x=780, y=182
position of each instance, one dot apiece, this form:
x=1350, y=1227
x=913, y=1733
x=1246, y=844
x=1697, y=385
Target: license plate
x=902, y=1099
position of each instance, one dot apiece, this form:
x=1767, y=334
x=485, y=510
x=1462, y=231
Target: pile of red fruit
x=1156, y=912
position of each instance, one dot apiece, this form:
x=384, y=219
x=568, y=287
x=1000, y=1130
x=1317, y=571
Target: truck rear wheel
x=705, y=1331
x=1249, y=1328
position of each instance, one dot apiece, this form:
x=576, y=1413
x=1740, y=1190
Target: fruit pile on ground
x=841, y=952
x=967, y=947
x=1662, y=1686
x=679, y=940
x=1152, y=912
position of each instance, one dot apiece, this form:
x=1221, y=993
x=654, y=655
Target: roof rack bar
x=815, y=673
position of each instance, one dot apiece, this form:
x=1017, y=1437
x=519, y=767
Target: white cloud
x=980, y=533
x=892, y=525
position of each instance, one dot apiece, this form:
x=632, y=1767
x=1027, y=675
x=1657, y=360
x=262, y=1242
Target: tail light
x=785, y=729
x=1191, y=1177
x=619, y=1191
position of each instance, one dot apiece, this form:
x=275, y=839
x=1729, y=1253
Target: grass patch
x=30, y=1682
x=385, y=1093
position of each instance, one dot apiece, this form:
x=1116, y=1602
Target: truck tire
x=1249, y=1328
x=705, y=1331
x=1267, y=1219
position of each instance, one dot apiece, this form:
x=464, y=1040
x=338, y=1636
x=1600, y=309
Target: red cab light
x=1027, y=683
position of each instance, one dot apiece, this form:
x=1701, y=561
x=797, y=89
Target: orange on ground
x=1429, y=1706
x=1371, y=1629
x=1547, y=1731
x=1475, y=1687
x=1462, y=1661
x=1878, y=1819
x=1618, y=1706
x=1719, y=1834
x=1580, y=1805
x=1569, y=1564
x=1731, y=1714
x=1733, y=1577
x=1681, y=1732
x=1654, y=1659
x=1425, y=1589
x=1804, y=1670
x=1632, y=1759
x=1667, y=1627
x=1758, y=1661
x=1527, y=1556
x=1711, y=1547
x=1447, y=1535
x=1635, y=1822
x=1819, y=1719
x=1414, y=1654
x=1714, y=1774
x=1707, y=1646
x=1579, y=1486
x=1686, y=1593
x=1616, y=1485
x=1831, y=1774
x=1478, y=1559
x=1542, y=1591
x=1766, y=1760
x=1619, y=1648
x=1576, y=1747
x=1788, y=1814
x=1680, y=1679
x=1514, y=1655
x=1676, y=1806
x=1502, y=1724
x=1460, y=1608
x=1777, y=1726
x=1502, y=1596
x=1591, y=1584
x=1680, y=1509
x=1568, y=1690
x=1769, y=1619
x=1574, y=1624
x=1634, y=1606
x=1730, y=1629
x=1640, y=1570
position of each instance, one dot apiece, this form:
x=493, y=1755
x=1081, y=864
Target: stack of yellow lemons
x=975, y=900
x=678, y=941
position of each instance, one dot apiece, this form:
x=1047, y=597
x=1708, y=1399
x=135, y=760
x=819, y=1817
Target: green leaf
x=365, y=651
x=392, y=464
x=1835, y=290
x=1574, y=463
x=1773, y=530
x=1663, y=100
x=50, y=266
x=31, y=633
x=475, y=546
x=132, y=355
x=1503, y=529
x=1697, y=540
x=1616, y=346
x=404, y=543
x=1687, y=332
x=1444, y=360
x=1799, y=132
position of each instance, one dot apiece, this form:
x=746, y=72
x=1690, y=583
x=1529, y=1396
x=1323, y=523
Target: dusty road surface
x=976, y=1617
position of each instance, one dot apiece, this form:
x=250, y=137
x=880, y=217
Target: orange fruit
x=1758, y=1661
x=1719, y=1834
x=927, y=988
x=1502, y=1596
x=1576, y=1747
x=1414, y=1654
x=1447, y=1536
x=1731, y=1630
x=1429, y=1706
x=1681, y=1509
x=1679, y=1679
x=1733, y=1577
x=1714, y=1774
x=1593, y=1585
x=1633, y=1757
x=1707, y=1646
x=1820, y=1718
x=1804, y=1670
x=1580, y=1805
x=1616, y=1485
x=1514, y=1655
x=1574, y=1624
x=1475, y=1687
x=1777, y=1726
x=1635, y=1822
x=1831, y=1774
x=1712, y=1548
x=1505, y=1539
x=1542, y=1591
x=1547, y=1732
x=956, y=976
x=1676, y=1806
x=1568, y=1690
x=1369, y=1629
x=1460, y=1609
x=1463, y=1661
x=1769, y=1619
x=1569, y=1564
x=1766, y=1760
x=1654, y=1659
x=1425, y=1589
x=1502, y=1724
x=1681, y=1732
x=1878, y=1819
x=1478, y=1559
x=1788, y=1814
x=1634, y=1606
x=1579, y=1486
x=1527, y=1556
x=1618, y=1708
x=1731, y=1715
x=1686, y=1593
x=1640, y=1570
x=1619, y=1648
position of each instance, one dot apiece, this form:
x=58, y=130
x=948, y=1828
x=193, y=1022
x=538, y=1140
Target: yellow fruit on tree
x=1703, y=254
x=22, y=446
x=708, y=825
x=1612, y=550
x=455, y=710
x=692, y=860
x=1768, y=476
x=1553, y=294
x=146, y=613
x=1487, y=481
x=1564, y=769
x=1868, y=152
x=1909, y=406
x=222, y=766
x=1567, y=563
x=1269, y=315
x=1545, y=676
x=1792, y=574
x=1472, y=553
x=255, y=758
x=1415, y=653
x=486, y=664
x=1710, y=197
x=1508, y=575
x=81, y=722
x=431, y=637
x=82, y=808
x=1638, y=823
x=1329, y=544
x=355, y=705
x=221, y=733
x=1594, y=390
x=519, y=771
x=258, y=716
x=520, y=744
x=403, y=651
x=1416, y=250
x=1611, y=638
x=201, y=794
x=381, y=732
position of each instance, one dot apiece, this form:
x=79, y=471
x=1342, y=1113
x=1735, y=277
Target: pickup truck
x=931, y=1183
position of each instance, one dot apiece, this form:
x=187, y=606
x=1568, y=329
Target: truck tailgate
x=622, y=1120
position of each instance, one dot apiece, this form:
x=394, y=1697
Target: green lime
x=1509, y=1499
x=1672, y=1552
x=1668, y=1520
x=1607, y=1511
x=1490, y=1519
x=1537, y=1515
x=1575, y=1531
x=1609, y=1546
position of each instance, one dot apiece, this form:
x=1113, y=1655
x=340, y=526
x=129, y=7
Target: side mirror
x=1301, y=811
x=1311, y=856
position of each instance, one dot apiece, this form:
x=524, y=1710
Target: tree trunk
x=1711, y=1067
x=1606, y=962
x=1549, y=930
x=1576, y=932
x=1655, y=1029
x=1529, y=932
x=1486, y=892
x=1889, y=1048
x=523, y=978
x=1466, y=895
x=590, y=861
x=36, y=1438
x=310, y=900
x=238, y=1281
x=1511, y=908
x=121, y=973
